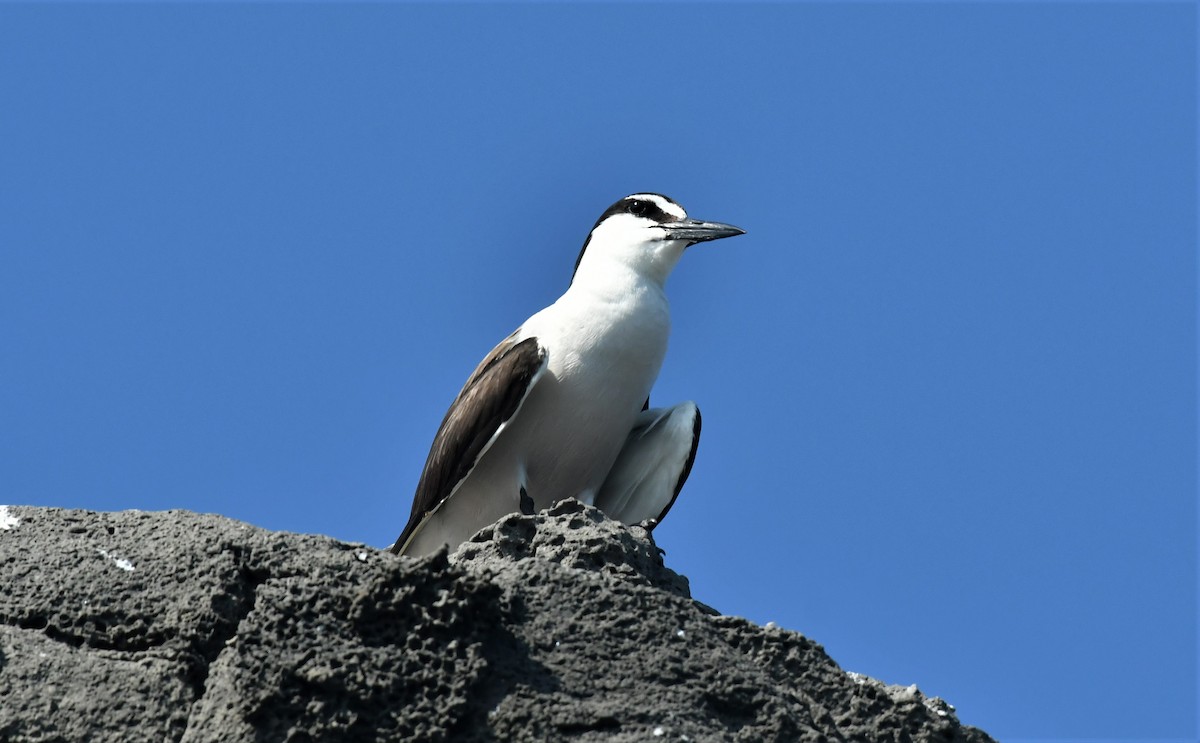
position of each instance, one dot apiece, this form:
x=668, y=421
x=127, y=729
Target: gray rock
x=564, y=625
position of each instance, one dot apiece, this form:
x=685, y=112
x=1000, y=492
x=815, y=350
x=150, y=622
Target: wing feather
x=492, y=395
x=653, y=465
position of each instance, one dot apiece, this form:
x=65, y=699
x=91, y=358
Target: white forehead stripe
x=668, y=206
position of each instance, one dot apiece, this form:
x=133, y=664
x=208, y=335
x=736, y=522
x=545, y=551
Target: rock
x=179, y=626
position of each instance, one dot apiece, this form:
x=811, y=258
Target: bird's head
x=645, y=233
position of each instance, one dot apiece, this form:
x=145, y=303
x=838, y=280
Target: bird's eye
x=637, y=208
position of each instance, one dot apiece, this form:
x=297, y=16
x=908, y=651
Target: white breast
x=605, y=350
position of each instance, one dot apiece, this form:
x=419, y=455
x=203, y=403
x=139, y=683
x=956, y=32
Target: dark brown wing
x=491, y=396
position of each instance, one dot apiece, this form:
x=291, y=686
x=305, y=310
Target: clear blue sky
x=248, y=253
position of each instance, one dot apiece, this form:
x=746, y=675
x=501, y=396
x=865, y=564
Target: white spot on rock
x=680, y=634
x=361, y=556
x=120, y=562
x=659, y=732
x=7, y=520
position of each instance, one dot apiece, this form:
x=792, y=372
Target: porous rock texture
x=564, y=625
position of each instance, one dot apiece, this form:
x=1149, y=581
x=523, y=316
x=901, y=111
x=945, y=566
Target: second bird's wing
x=491, y=397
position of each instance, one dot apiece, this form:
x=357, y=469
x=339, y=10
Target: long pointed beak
x=695, y=231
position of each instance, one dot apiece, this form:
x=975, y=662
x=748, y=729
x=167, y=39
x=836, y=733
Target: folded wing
x=653, y=465
x=491, y=397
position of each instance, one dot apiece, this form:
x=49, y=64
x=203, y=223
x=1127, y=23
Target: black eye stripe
x=648, y=209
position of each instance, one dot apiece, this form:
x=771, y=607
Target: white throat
x=615, y=259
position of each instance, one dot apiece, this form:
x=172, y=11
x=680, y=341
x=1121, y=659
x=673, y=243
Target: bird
x=561, y=407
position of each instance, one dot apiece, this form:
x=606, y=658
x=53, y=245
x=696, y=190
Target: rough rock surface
x=565, y=625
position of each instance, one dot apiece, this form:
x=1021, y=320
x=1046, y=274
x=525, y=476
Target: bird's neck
x=606, y=270
x=615, y=282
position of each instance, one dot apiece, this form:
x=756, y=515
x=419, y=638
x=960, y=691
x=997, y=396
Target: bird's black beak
x=695, y=231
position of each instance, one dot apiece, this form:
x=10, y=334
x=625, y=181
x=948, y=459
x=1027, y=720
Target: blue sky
x=248, y=253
